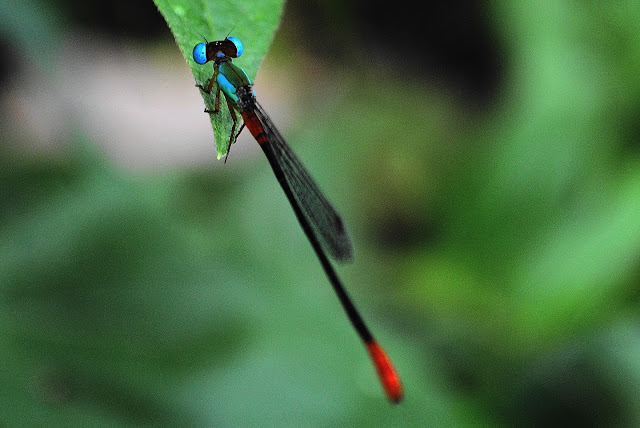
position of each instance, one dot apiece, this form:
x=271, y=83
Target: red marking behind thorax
x=254, y=126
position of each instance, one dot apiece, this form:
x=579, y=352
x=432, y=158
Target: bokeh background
x=485, y=156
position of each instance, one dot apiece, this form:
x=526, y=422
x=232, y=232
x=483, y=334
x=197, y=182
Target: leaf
x=252, y=22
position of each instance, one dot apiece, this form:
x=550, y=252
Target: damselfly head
x=230, y=47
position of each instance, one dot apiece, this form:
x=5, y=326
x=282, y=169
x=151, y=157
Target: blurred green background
x=485, y=156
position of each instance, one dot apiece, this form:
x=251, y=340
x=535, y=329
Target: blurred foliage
x=497, y=237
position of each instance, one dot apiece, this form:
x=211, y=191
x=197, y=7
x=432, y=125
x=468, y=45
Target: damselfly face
x=230, y=47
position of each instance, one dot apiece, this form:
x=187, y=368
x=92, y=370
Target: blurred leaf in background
x=484, y=155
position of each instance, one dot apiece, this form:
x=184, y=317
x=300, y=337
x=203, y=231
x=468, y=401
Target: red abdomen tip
x=386, y=372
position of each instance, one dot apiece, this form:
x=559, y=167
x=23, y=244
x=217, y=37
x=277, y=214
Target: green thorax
x=230, y=78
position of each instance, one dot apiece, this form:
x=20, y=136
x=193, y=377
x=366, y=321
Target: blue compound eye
x=200, y=53
x=238, y=44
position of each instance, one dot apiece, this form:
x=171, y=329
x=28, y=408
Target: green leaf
x=252, y=22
